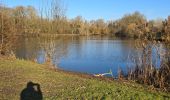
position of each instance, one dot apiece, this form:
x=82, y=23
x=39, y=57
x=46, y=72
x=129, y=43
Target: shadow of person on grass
x=31, y=92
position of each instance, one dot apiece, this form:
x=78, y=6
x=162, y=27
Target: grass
x=55, y=84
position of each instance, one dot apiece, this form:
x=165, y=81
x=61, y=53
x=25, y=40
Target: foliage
x=27, y=21
x=132, y=25
x=7, y=31
x=166, y=29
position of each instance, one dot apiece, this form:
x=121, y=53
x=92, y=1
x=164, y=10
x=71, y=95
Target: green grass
x=14, y=75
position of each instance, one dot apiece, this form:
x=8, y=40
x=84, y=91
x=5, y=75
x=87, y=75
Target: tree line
x=27, y=21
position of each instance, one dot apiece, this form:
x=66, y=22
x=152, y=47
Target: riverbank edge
x=64, y=74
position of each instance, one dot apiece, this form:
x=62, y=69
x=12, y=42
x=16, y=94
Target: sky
x=106, y=9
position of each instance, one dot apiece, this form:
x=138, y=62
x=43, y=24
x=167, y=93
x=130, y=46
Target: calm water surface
x=92, y=55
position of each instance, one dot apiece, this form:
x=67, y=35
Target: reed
x=147, y=72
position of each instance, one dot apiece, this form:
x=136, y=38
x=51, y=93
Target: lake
x=85, y=54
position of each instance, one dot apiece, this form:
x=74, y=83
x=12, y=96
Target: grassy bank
x=55, y=84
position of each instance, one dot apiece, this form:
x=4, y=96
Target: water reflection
x=91, y=55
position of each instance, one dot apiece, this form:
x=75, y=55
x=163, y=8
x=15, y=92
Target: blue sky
x=106, y=9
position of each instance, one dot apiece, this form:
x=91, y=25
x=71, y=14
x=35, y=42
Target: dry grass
x=147, y=73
